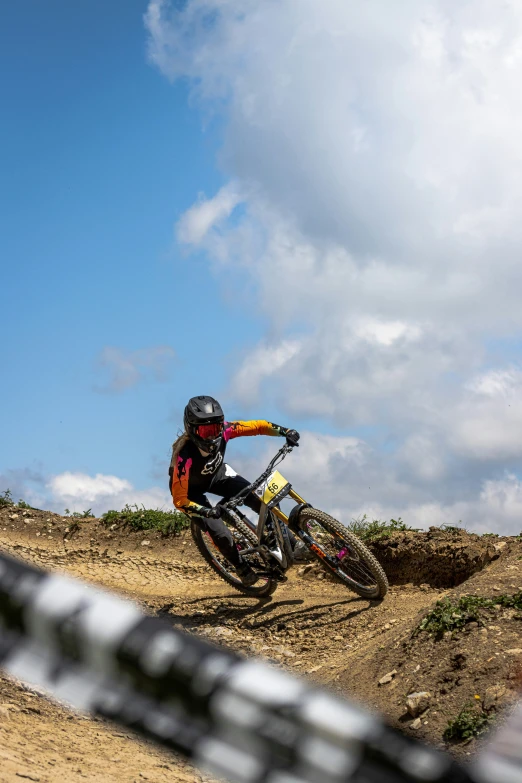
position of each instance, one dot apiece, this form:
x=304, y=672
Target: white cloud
x=346, y=478
x=378, y=152
x=197, y=221
x=487, y=425
x=261, y=363
x=386, y=332
x=80, y=486
x=79, y=491
x=126, y=369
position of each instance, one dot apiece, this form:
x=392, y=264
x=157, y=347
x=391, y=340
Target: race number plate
x=274, y=489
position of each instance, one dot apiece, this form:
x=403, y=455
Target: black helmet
x=204, y=421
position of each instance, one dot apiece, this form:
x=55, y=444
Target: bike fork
x=309, y=541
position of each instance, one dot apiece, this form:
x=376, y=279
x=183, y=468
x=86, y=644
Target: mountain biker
x=197, y=466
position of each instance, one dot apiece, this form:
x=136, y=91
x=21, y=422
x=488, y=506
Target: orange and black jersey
x=193, y=473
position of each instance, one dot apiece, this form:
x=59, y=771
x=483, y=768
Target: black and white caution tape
x=238, y=719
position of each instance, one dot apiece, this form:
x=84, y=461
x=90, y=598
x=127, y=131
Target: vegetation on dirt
x=167, y=522
x=448, y=615
x=371, y=530
x=375, y=529
x=6, y=500
x=470, y=722
x=454, y=528
x=79, y=514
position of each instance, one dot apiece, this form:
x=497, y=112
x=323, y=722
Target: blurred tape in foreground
x=238, y=719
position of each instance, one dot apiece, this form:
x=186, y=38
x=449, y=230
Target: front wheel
x=342, y=553
x=243, y=538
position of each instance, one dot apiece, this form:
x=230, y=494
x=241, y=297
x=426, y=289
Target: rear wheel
x=342, y=553
x=244, y=538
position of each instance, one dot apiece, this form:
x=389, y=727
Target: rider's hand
x=211, y=513
x=292, y=437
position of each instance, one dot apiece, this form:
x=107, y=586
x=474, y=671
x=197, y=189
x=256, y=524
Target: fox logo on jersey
x=212, y=465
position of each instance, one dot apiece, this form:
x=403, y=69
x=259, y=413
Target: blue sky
x=310, y=210
x=100, y=155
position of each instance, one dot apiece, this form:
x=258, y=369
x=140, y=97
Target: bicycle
x=267, y=545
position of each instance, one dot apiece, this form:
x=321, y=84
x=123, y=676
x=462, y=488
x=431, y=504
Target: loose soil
x=312, y=625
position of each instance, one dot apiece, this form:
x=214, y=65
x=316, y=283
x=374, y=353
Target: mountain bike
x=268, y=548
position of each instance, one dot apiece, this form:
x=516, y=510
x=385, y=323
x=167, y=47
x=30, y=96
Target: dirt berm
x=312, y=626
x=439, y=558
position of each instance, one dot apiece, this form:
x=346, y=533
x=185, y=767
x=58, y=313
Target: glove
x=292, y=437
x=211, y=513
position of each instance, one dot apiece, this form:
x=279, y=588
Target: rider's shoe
x=247, y=574
x=301, y=553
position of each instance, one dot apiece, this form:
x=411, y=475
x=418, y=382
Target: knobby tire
x=257, y=591
x=332, y=526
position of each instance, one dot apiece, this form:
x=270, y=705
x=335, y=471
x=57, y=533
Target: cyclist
x=197, y=466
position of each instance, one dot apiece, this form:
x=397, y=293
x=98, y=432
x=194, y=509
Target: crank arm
x=252, y=550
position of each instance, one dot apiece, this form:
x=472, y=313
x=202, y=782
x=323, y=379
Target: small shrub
x=454, y=528
x=470, y=722
x=22, y=504
x=373, y=530
x=449, y=615
x=513, y=601
x=79, y=514
x=6, y=499
x=167, y=522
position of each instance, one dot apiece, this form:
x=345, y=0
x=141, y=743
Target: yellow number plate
x=273, y=486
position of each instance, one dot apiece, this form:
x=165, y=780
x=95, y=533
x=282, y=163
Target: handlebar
x=239, y=499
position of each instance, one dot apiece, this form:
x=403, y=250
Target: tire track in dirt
x=313, y=626
x=46, y=742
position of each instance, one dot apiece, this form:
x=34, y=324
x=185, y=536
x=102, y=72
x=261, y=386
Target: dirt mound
x=477, y=667
x=439, y=558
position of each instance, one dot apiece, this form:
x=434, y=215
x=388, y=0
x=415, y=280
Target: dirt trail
x=311, y=625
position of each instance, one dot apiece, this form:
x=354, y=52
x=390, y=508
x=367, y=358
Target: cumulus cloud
x=377, y=150
x=488, y=423
x=347, y=478
x=263, y=362
x=79, y=491
x=125, y=369
x=205, y=214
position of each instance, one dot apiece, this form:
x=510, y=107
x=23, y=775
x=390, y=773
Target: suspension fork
x=263, y=515
x=306, y=537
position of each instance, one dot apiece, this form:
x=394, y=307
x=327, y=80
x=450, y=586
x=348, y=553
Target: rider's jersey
x=194, y=472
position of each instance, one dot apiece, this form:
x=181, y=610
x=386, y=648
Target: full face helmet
x=204, y=423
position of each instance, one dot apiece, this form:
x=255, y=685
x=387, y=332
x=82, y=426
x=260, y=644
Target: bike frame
x=231, y=505
x=279, y=560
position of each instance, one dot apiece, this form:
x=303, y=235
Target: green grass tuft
x=375, y=529
x=167, y=522
x=449, y=615
x=470, y=722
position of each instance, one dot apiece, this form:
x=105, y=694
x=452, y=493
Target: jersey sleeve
x=180, y=485
x=240, y=429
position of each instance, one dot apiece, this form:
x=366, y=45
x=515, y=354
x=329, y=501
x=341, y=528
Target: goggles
x=209, y=431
